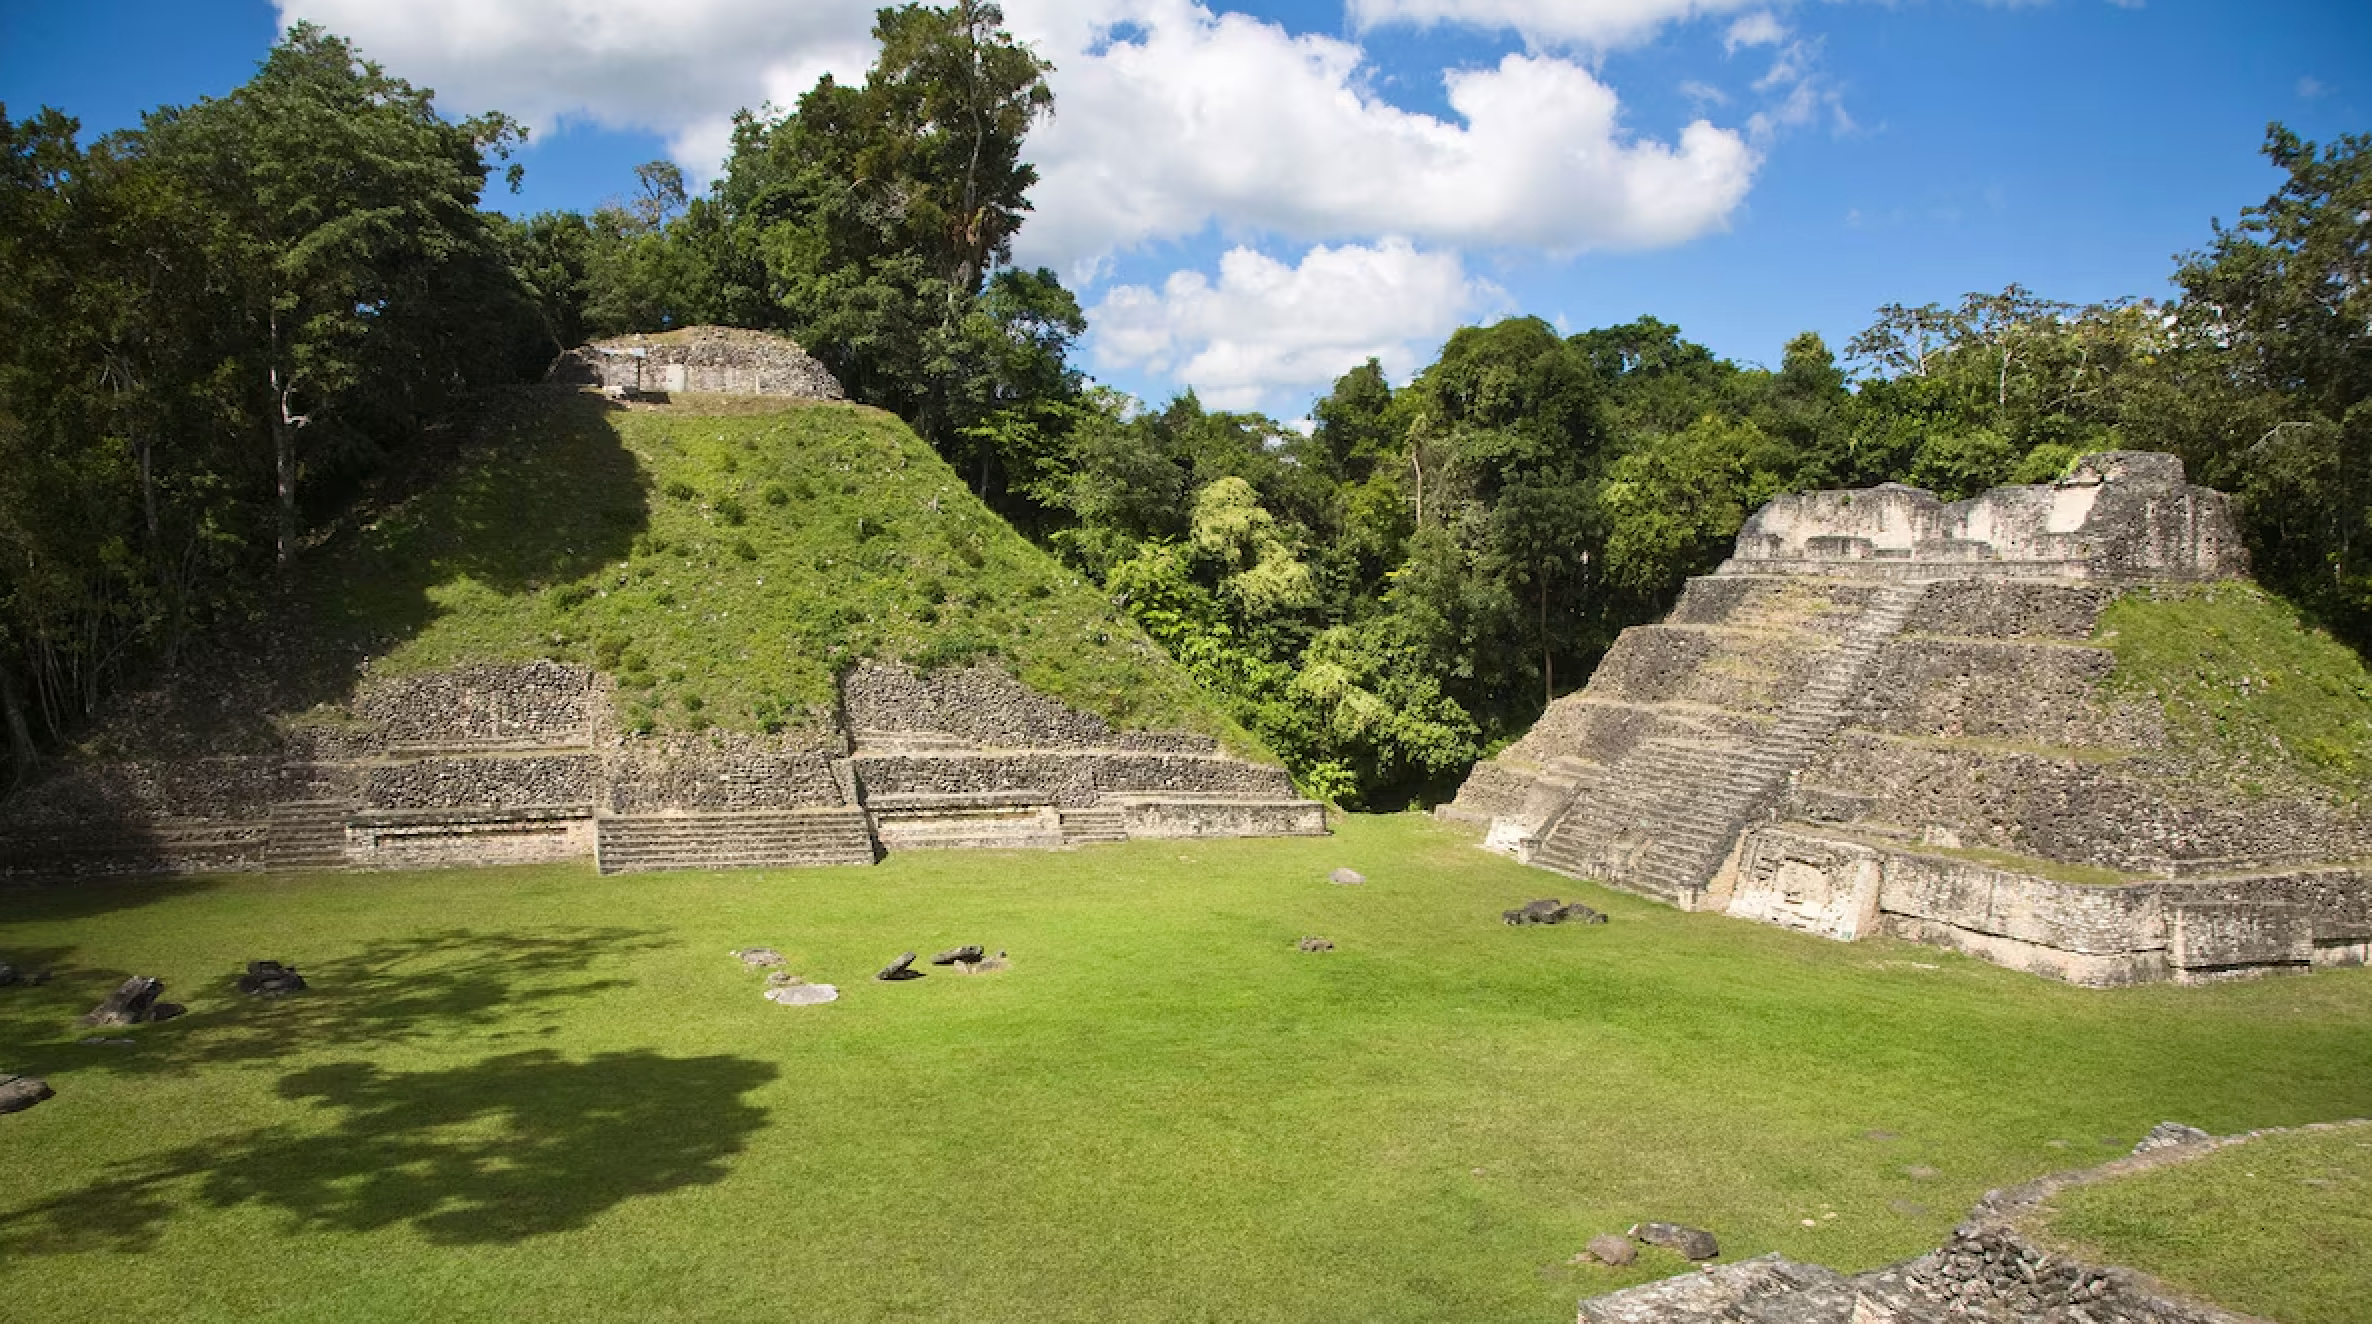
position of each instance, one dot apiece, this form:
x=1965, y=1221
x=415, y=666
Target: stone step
x=732, y=841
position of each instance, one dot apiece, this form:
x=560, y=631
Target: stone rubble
x=902, y=968
x=2166, y=1135
x=270, y=979
x=1316, y=945
x=134, y=1003
x=18, y=1093
x=1693, y=1243
x=1348, y=877
x=968, y=954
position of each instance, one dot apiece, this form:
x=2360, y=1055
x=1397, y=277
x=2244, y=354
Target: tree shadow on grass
x=513, y=1147
x=427, y=987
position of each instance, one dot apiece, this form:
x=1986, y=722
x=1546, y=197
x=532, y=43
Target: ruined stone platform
x=526, y=764
x=1885, y=714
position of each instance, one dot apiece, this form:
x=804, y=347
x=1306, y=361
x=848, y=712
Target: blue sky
x=1251, y=198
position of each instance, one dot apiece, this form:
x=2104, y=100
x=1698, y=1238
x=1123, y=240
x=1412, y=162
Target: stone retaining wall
x=515, y=764
x=533, y=705
x=984, y=706
x=2099, y=934
x=484, y=783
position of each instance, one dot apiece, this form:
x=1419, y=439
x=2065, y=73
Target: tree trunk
x=21, y=751
x=284, y=426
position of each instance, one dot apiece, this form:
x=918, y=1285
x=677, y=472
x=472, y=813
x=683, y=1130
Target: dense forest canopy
x=217, y=329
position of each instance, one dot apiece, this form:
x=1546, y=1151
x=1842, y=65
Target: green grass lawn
x=540, y=1094
x=2277, y=1227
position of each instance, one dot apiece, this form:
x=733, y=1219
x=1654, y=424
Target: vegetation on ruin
x=725, y=567
x=2253, y=695
x=1162, y=1111
x=2276, y=1227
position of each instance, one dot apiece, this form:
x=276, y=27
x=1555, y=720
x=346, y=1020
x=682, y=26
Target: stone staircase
x=307, y=834
x=1083, y=826
x=644, y=842
x=1667, y=818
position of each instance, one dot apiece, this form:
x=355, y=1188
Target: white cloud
x=679, y=68
x=1761, y=28
x=2311, y=87
x=1703, y=93
x=1224, y=119
x=1201, y=119
x=1596, y=24
x=1266, y=329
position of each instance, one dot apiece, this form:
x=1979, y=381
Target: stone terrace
x=1884, y=715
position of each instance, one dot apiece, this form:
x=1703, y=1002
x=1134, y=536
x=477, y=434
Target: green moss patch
x=2276, y=1227
x=2252, y=693
x=725, y=567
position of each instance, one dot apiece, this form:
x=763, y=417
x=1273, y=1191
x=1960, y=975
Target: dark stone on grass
x=902, y=968
x=985, y=966
x=1607, y=1248
x=1346, y=876
x=1693, y=1243
x=7, y=974
x=1577, y=913
x=133, y=1003
x=1316, y=945
x=760, y=958
x=1548, y=911
x=270, y=979
x=18, y=1093
x=967, y=953
x=2166, y=1135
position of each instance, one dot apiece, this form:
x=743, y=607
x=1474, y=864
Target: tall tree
x=347, y=207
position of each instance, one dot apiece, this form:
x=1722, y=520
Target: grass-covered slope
x=724, y=561
x=2253, y=695
x=2277, y=1227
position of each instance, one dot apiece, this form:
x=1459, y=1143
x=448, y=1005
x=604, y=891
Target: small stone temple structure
x=514, y=764
x=698, y=360
x=1885, y=714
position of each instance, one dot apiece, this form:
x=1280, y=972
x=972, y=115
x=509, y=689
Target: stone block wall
x=2130, y=814
x=2049, y=694
x=514, y=764
x=2086, y=933
x=704, y=360
x=2119, y=514
x=715, y=776
x=531, y=705
x=985, y=707
x=484, y=783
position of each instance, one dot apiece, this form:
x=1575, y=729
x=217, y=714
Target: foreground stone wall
x=515, y=764
x=1997, y=1267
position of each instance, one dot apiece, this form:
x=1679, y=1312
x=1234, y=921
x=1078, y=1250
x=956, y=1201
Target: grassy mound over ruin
x=2252, y=694
x=724, y=560
x=2276, y=1227
x=541, y=1094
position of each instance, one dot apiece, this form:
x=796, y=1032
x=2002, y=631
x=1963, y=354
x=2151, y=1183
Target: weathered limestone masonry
x=700, y=360
x=1883, y=715
x=516, y=764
